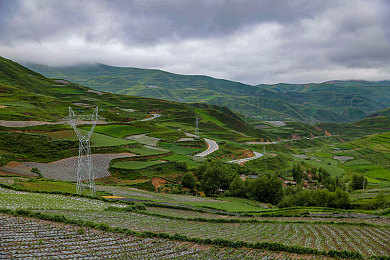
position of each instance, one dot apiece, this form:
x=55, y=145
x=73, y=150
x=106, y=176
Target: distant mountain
x=27, y=95
x=336, y=101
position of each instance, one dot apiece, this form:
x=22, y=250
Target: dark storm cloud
x=250, y=41
x=150, y=21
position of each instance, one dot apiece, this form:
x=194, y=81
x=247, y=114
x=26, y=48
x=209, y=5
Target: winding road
x=213, y=146
x=257, y=155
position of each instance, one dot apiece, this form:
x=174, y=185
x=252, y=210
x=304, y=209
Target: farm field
x=97, y=139
x=135, y=165
x=118, y=131
x=188, y=214
x=235, y=205
x=35, y=238
x=10, y=199
x=365, y=240
x=64, y=169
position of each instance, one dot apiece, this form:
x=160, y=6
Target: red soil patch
x=327, y=133
x=158, y=181
x=247, y=153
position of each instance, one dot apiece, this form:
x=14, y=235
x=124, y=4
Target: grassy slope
x=30, y=96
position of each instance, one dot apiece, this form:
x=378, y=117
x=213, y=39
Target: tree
x=268, y=189
x=238, y=188
x=215, y=176
x=357, y=181
x=340, y=199
x=381, y=201
x=297, y=173
x=188, y=181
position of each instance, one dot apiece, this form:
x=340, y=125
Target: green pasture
x=117, y=131
x=357, y=162
x=97, y=139
x=180, y=149
x=101, y=140
x=372, y=171
x=66, y=91
x=182, y=158
x=206, y=116
x=331, y=166
x=230, y=204
x=145, y=151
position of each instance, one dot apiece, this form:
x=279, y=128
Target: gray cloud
x=250, y=41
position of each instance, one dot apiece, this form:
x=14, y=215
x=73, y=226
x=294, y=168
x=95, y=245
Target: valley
x=286, y=187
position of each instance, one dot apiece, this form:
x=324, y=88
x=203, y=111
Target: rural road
x=154, y=116
x=289, y=140
x=213, y=146
x=257, y=155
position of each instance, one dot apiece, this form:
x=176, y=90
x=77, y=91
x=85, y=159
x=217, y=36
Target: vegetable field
x=367, y=240
x=26, y=238
x=10, y=199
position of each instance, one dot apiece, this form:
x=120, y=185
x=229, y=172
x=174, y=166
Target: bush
x=319, y=198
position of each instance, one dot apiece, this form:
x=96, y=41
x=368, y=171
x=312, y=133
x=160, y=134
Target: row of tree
x=217, y=177
x=318, y=198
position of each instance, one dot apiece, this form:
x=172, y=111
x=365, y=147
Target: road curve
x=257, y=155
x=154, y=116
x=213, y=146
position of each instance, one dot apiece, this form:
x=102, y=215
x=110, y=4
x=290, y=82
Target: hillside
x=28, y=96
x=329, y=101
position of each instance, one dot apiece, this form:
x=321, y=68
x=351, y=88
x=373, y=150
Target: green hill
x=28, y=96
x=328, y=101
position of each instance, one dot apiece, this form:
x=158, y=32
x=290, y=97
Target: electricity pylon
x=85, y=173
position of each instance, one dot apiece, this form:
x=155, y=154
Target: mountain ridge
x=330, y=101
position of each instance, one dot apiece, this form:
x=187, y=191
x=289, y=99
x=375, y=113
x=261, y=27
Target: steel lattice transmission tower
x=197, y=128
x=85, y=173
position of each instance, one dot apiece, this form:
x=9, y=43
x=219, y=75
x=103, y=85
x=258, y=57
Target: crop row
x=175, y=212
x=11, y=199
x=173, y=198
x=364, y=239
x=27, y=238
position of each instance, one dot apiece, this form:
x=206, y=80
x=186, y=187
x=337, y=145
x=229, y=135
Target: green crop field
x=180, y=149
x=101, y=140
x=182, y=158
x=145, y=151
x=118, y=131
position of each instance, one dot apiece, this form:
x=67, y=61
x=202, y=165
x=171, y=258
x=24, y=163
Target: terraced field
x=26, y=238
x=10, y=199
x=365, y=240
x=369, y=239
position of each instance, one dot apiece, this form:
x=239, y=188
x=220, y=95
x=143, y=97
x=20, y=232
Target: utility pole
x=346, y=187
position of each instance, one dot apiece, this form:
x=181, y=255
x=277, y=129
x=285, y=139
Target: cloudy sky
x=295, y=41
